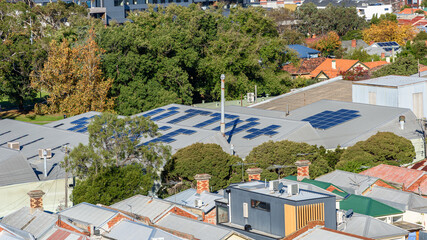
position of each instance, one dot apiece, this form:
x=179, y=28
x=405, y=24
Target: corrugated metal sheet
x=392, y=81
x=351, y=182
x=143, y=205
x=319, y=233
x=189, y=196
x=14, y=168
x=89, y=213
x=127, y=230
x=394, y=174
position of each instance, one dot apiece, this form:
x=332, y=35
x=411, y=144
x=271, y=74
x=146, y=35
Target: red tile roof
x=374, y=64
x=342, y=65
x=305, y=66
x=410, y=11
x=416, y=21
x=410, y=178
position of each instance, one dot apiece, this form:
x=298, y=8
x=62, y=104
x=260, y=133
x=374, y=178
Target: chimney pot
x=303, y=169
x=382, y=55
x=36, y=200
x=202, y=182
x=353, y=43
x=254, y=174
x=371, y=42
x=334, y=64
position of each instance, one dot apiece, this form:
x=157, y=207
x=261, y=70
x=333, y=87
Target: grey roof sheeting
x=310, y=187
x=14, y=168
x=89, y=213
x=370, y=227
x=350, y=182
x=144, y=206
x=189, y=196
x=372, y=119
x=11, y=233
x=320, y=233
x=399, y=199
x=198, y=229
x=128, y=230
x=392, y=81
x=33, y=137
x=36, y=223
x=347, y=44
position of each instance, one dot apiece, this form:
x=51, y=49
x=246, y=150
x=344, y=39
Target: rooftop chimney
x=36, y=200
x=382, y=55
x=303, y=169
x=353, y=43
x=202, y=182
x=371, y=42
x=222, y=125
x=254, y=174
x=334, y=64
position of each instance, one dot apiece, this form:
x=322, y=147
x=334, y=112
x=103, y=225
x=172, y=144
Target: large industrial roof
x=14, y=168
x=372, y=119
x=391, y=81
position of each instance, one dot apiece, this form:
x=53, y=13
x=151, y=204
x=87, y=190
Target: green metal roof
x=323, y=185
x=367, y=206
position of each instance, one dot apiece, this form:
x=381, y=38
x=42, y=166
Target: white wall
x=385, y=96
x=405, y=96
x=369, y=11
x=415, y=217
x=14, y=197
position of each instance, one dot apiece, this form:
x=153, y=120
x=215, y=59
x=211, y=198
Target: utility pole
x=222, y=125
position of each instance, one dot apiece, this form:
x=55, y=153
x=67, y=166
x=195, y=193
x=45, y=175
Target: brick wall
x=210, y=217
x=65, y=225
x=116, y=219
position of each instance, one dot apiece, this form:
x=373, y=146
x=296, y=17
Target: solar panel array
x=254, y=132
x=390, y=49
x=81, y=124
x=168, y=137
x=328, y=119
x=387, y=44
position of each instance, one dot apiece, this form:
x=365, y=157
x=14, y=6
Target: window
x=260, y=205
x=385, y=9
x=118, y=3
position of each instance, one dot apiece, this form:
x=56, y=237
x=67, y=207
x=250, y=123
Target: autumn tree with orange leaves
x=387, y=31
x=73, y=79
x=328, y=44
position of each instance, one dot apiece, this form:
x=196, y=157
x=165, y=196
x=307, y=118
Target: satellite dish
x=349, y=213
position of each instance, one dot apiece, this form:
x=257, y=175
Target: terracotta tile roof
x=375, y=64
x=410, y=178
x=305, y=66
x=326, y=67
x=418, y=20
x=423, y=68
x=410, y=11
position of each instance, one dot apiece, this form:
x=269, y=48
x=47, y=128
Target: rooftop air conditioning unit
x=198, y=203
x=48, y=153
x=273, y=185
x=251, y=97
x=14, y=145
x=293, y=189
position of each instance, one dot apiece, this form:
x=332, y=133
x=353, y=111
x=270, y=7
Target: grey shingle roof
x=370, y=227
x=128, y=230
x=14, y=168
x=36, y=223
x=350, y=182
x=198, y=229
x=143, y=206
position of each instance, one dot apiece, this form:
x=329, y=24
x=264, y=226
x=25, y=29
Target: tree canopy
x=402, y=66
x=386, y=31
x=383, y=147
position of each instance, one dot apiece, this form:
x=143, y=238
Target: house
x=304, y=52
x=304, y=67
x=315, y=232
x=264, y=208
x=370, y=227
x=198, y=229
x=199, y=200
x=331, y=68
x=413, y=205
x=352, y=182
x=408, y=179
x=375, y=65
x=394, y=91
x=351, y=45
x=383, y=49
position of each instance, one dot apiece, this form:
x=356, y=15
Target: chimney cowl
x=36, y=193
x=302, y=163
x=201, y=177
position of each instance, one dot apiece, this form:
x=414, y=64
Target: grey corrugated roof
x=89, y=213
x=373, y=119
x=350, y=182
x=392, y=81
x=11, y=233
x=143, y=206
x=33, y=137
x=188, y=197
x=70, y=235
x=359, y=44
x=370, y=227
x=399, y=199
x=198, y=229
x=14, y=168
x=36, y=223
x=320, y=233
x=128, y=230
x=310, y=187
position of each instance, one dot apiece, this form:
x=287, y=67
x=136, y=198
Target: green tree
x=417, y=49
x=383, y=147
x=114, y=150
x=383, y=17
x=352, y=34
x=361, y=55
x=421, y=36
x=202, y=158
x=402, y=66
x=287, y=153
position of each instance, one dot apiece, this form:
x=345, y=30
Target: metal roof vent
x=14, y=145
x=198, y=203
x=48, y=153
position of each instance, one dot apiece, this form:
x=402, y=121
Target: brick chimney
x=202, y=182
x=382, y=55
x=36, y=200
x=371, y=42
x=254, y=174
x=353, y=43
x=303, y=169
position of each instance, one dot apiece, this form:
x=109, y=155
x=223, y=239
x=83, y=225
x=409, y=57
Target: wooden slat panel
x=290, y=219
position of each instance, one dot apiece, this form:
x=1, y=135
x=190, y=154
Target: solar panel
x=207, y=122
x=173, y=108
x=229, y=124
x=164, y=115
x=167, y=138
x=83, y=130
x=241, y=128
x=164, y=128
x=252, y=119
x=264, y=131
x=328, y=119
x=154, y=112
x=77, y=127
x=230, y=116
